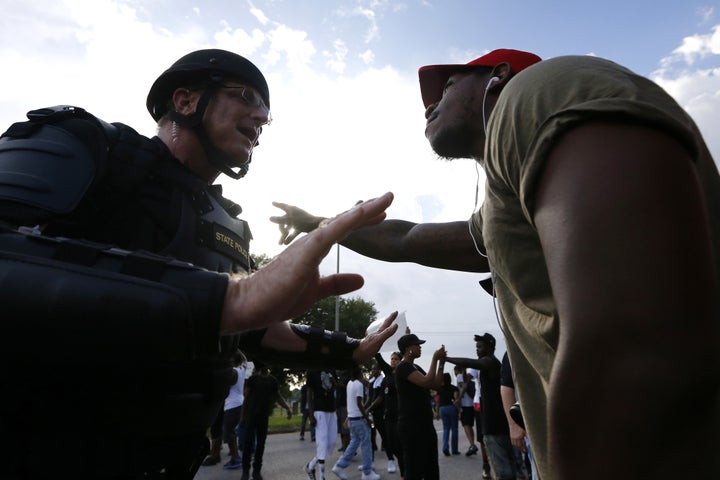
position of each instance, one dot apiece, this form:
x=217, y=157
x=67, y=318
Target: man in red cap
x=601, y=226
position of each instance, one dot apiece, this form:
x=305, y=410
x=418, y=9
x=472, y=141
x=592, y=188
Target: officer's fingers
x=367, y=213
x=388, y=332
x=339, y=284
x=291, y=236
x=387, y=323
x=283, y=233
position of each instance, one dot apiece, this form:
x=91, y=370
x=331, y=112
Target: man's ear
x=502, y=73
x=185, y=101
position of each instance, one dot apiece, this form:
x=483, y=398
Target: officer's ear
x=185, y=101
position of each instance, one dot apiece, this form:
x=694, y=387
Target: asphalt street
x=285, y=456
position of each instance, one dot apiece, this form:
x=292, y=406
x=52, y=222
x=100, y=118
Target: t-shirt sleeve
x=506, y=378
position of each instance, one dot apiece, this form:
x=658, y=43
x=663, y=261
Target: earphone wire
x=475, y=206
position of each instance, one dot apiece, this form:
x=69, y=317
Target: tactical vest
x=83, y=178
x=112, y=361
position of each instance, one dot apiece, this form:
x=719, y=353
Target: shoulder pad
x=48, y=163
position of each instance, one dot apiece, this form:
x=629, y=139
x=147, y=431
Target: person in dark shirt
x=262, y=392
x=343, y=377
x=307, y=421
x=388, y=399
x=321, y=398
x=415, y=413
x=496, y=433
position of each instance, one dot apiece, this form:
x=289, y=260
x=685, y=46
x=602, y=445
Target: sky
x=348, y=119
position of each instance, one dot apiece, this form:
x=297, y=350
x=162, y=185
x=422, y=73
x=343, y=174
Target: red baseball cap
x=434, y=77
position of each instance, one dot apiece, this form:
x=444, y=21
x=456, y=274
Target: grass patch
x=279, y=423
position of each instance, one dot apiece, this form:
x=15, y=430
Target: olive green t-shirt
x=533, y=111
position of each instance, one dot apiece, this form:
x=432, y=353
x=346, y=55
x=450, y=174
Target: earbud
x=487, y=88
x=492, y=80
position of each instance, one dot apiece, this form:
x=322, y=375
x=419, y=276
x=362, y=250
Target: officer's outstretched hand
x=294, y=222
x=291, y=283
x=372, y=343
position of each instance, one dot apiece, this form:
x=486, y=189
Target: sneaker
x=485, y=474
x=302, y=437
x=472, y=450
x=370, y=476
x=309, y=472
x=339, y=471
x=446, y=453
x=391, y=466
x=233, y=463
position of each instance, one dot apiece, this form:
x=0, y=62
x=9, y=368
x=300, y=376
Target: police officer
x=108, y=244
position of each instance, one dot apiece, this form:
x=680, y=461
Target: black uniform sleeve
x=506, y=378
x=324, y=349
x=81, y=299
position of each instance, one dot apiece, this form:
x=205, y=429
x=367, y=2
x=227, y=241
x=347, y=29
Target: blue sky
x=344, y=92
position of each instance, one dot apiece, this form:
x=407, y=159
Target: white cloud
x=240, y=41
x=706, y=14
x=369, y=14
x=368, y=57
x=259, y=15
x=696, y=88
x=293, y=45
x=336, y=58
x=692, y=49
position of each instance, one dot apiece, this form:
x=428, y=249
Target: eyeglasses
x=251, y=98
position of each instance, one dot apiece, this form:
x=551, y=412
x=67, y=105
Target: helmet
x=204, y=66
x=209, y=67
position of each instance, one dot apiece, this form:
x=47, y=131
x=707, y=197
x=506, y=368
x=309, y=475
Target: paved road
x=285, y=456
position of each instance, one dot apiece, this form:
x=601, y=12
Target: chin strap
x=217, y=157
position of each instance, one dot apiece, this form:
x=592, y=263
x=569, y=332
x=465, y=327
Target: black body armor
x=102, y=356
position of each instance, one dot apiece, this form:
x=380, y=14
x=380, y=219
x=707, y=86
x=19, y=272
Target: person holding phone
x=415, y=413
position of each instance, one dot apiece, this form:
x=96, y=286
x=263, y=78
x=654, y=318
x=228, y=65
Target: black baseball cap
x=407, y=340
x=487, y=338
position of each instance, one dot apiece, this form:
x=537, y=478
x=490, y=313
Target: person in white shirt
x=233, y=411
x=360, y=424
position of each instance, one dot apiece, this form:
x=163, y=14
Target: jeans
x=359, y=437
x=449, y=417
x=501, y=457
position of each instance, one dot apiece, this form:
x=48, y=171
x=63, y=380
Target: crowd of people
x=394, y=402
x=584, y=243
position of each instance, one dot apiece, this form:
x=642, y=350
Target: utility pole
x=337, y=297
